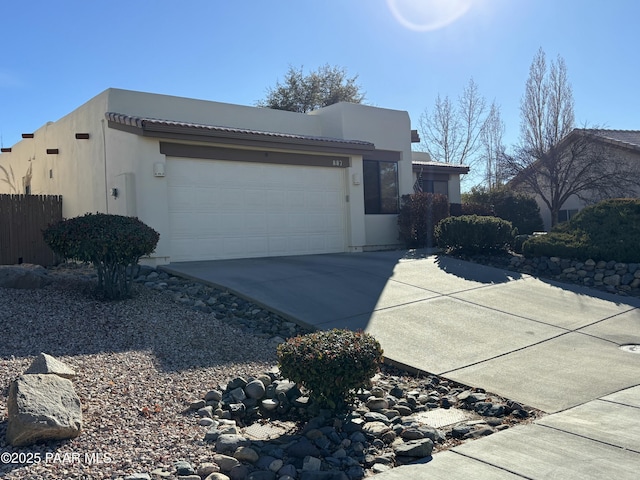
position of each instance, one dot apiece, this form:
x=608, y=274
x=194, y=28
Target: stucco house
x=225, y=181
x=605, y=151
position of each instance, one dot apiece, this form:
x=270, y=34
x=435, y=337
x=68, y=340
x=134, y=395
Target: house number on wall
x=337, y=163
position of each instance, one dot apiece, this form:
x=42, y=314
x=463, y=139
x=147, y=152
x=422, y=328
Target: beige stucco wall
x=77, y=171
x=140, y=193
x=388, y=130
x=207, y=112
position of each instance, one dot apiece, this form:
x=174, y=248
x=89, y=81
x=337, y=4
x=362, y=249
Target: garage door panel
x=182, y=244
x=297, y=223
x=257, y=246
x=207, y=225
x=315, y=202
x=254, y=200
x=297, y=202
x=333, y=222
x=297, y=244
x=251, y=177
x=334, y=200
x=201, y=245
x=278, y=245
x=277, y=223
x=313, y=224
x=231, y=199
x=204, y=199
x=220, y=209
x=194, y=225
x=255, y=223
x=233, y=246
x=231, y=224
x=276, y=200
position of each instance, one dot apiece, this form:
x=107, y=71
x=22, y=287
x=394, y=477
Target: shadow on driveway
x=470, y=271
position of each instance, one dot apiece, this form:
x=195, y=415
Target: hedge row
x=605, y=231
x=474, y=233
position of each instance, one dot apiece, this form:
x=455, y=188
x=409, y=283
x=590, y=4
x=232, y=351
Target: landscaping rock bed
x=613, y=277
x=400, y=420
x=221, y=305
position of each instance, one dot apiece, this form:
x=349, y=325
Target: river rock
x=414, y=448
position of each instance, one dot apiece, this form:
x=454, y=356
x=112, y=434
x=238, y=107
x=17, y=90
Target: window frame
x=379, y=207
x=567, y=214
x=428, y=185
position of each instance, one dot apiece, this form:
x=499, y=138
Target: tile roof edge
x=142, y=122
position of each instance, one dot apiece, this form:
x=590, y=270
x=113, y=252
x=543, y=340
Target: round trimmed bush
x=112, y=243
x=330, y=364
x=474, y=233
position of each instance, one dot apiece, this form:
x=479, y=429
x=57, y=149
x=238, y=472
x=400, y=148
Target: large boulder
x=25, y=276
x=44, y=363
x=42, y=407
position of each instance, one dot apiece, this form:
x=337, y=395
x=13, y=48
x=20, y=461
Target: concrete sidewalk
x=552, y=346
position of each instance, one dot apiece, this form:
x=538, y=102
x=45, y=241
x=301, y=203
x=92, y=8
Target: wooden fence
x=22, y=219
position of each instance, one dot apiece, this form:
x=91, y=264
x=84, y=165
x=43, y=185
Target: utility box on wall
x=124, y=202
x=158, y=169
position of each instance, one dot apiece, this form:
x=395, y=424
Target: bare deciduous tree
x=555, y=161
x=493, y=150
x=451, y=132
x=546, y=110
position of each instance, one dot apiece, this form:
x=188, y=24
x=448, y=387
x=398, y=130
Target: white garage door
x=222, y=209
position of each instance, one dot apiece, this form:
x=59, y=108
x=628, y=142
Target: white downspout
x=104, y=151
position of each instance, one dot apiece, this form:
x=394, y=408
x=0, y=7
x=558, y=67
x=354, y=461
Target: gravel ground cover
x=140, y=362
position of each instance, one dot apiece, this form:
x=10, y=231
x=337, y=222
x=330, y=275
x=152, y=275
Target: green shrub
x=609, y=230
x=518, y=242
x=455, y=209
x=474, y=233
x=521, y=210
x=419, y=214
x=112, y=243
x=558, y=244
x=476, y=209
x=330, y=364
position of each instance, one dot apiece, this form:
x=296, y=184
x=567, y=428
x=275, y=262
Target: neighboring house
x=437, y=177
x=619, y=148
x=225, y=181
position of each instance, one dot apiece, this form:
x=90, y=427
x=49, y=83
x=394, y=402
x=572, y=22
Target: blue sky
x=57, y=55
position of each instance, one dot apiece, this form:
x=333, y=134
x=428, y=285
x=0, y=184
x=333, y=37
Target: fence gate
x=22, y=219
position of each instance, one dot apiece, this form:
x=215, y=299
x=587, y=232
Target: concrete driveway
x=551, y=346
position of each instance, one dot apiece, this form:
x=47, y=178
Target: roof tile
x=627, y=138
x=142, y=122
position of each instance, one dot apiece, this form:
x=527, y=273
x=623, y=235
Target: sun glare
x=426, y=15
